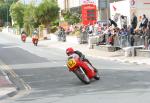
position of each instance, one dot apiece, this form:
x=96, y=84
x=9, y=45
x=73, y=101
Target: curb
x=130, y=61
x=10, y=93
x=121, y=60
x=13, y=78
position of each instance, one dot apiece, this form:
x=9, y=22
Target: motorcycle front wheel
x=80, y=73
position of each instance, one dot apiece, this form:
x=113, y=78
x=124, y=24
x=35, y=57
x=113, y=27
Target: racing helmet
x=69, y=51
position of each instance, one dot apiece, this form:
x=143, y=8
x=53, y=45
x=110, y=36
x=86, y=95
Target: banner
x=89, y=14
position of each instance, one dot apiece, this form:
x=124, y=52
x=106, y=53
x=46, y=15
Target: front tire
x=82, y=76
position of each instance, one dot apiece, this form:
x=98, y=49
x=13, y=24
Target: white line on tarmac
x=38, y=65
x=10, y=47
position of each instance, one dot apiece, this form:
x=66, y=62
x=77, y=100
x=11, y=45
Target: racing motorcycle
x=82, y=70
x=35, y=40
x=61, y=36
x=23, y=37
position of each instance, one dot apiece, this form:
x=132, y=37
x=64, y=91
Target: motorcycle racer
x=70, y=51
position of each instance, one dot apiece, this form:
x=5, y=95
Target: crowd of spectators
x=135, y=34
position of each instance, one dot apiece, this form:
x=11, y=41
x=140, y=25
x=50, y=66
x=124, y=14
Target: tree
x=31, y=16
x=29, y=19
x=71, y=17
x=47, y=12
x=17, y=13
x=4, y=11
x=2, y=1
x=3, y=15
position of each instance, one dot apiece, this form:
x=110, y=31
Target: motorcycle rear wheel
x=97, y=76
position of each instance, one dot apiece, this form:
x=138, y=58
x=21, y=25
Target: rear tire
x=97, y=76
x=35, y=42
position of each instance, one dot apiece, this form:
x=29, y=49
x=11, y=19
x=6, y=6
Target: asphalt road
x=44, y=70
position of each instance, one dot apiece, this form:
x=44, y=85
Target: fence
x=127, y=40
x=119, y=40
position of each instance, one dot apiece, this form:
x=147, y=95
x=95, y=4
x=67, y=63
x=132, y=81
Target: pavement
x=115, y=56
x=7, y=87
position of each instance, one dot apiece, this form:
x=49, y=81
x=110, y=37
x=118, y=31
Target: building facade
x=103, y=11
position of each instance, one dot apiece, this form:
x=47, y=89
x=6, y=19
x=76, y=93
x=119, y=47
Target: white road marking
x=10, y=46
x=38, y=65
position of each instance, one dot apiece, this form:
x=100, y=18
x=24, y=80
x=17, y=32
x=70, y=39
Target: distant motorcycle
x=35, y=40
x=61, y=36
x=82, y=70
x=23, y=37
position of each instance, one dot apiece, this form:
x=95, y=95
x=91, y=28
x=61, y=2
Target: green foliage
x=4, y=10
x=17, y=13
x=71, y=18
x=9, y=2
x=41, y=27
x=47, y=12
x=53, y=29
x=4, y=15
x=54, y=25
x=28, y=19
x=31, y=16
x=55, y=22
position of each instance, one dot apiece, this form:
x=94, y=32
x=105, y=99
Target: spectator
x=112, y=22
x=90, y=29
x=71, y=28
x=144, y=23
x=147, y=38
x=123, y=22
x=96, y=29
x=132, y=40
x=123, y=32
x=149, y=25
x=133, y=23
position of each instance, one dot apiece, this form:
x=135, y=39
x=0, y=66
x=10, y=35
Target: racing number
x=71, y=63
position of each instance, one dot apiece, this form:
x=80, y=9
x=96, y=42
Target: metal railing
x=123, y=40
